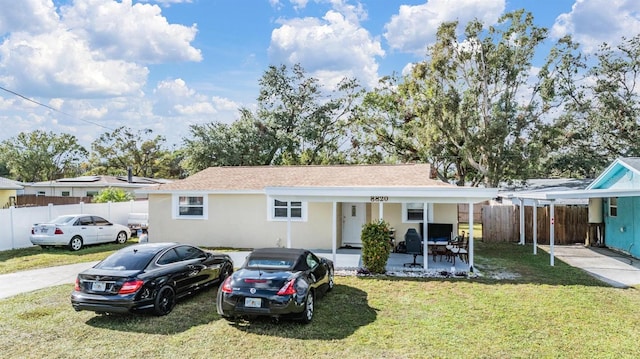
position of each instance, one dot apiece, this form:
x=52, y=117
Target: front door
x=353, y=218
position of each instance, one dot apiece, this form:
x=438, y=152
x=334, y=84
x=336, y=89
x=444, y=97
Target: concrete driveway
x=614, y=268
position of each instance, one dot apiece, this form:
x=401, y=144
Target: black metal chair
x=413, y=243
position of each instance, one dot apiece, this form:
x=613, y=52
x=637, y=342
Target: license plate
x=44, y=230
x=253, y=302
x=98, y=286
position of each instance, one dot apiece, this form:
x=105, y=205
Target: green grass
x=36, y=257
x=545, y=312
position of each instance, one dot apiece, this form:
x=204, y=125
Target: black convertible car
x=276, y=282
x=149, y=276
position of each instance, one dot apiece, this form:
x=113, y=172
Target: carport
x=550, y=198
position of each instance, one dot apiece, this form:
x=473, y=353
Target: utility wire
x=54, y=109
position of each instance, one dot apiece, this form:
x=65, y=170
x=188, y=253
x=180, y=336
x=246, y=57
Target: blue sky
x=168, y=64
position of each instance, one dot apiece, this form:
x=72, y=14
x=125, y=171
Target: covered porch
x=381, y=196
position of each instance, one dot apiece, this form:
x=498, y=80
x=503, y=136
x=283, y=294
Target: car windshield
x=63, y=220
x=127, y=260
x=270, y=262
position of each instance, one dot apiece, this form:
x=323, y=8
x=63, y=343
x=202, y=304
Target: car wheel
x=121, y=238
x=75, y=244
x=307, y=314
x=165, y=301
x=331, y=281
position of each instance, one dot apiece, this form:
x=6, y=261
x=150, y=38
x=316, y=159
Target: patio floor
x=351, y=259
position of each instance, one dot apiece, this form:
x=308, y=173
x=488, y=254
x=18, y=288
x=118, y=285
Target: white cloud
x=414, y=28
x=329, y=48
x=59, y=63
x=92, y=48
x=32, y=16
x=136, y=32
x=593, y=22
x=175, y=98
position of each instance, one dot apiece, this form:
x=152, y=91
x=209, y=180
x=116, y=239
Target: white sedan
x=78, y=230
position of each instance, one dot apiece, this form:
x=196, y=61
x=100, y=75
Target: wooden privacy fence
x=501, y=223
x=29, y=200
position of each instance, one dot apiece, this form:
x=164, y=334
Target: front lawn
x=35, y=257
x=543, y=312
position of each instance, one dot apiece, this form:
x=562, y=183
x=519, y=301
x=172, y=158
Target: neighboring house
x=614, y=205
x=8, y=192
x=317, y=207
x=89, y=186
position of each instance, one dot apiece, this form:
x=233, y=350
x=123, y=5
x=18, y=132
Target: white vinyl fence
x=16, y=223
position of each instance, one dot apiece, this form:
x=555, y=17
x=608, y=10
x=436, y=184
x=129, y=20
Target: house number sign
x=379, y=198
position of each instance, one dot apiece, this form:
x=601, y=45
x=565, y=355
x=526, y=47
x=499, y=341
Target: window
x=188, y=253
x=41, y=193
x=100, y=221
x=170, y=257
x=280, y=210
x=312, y=261
x=66, y=193
x=412, y=212
x=613, y=206
x=84, y=221
x=92, y=193
x=190, y=206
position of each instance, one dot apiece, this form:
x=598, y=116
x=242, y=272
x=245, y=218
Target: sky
x=86, y=67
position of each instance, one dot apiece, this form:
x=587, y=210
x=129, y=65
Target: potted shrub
x=376, y=246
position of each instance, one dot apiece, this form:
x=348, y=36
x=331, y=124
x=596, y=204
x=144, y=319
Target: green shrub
x=112, y=195
x=375, y=246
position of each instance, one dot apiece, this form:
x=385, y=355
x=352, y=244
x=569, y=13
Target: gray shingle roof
x=259, y=177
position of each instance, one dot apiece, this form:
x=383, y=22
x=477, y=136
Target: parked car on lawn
x=78, y=230
x=276, y=282
x=148, y=277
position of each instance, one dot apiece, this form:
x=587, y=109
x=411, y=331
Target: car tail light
x=58, y=231
x=33, y=231
x=226, y=286
x=77, y=286
x=288, y=288
x=249, y=280
x=130, y=287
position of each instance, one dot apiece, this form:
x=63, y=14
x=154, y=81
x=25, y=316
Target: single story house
x=89, y=186
x=8, y=192
x=614, y=205
x=317, y=207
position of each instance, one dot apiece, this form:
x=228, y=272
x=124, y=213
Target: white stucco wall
x=239, y=221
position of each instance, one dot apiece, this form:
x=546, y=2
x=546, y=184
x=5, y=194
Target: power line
x=51, y=108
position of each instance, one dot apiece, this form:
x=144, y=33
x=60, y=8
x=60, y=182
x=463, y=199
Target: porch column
x=380, y=211
x=552, y=229
x=334, y=232
x=425, y=246
x=521, y=221
x=470, y=236
x=289, y=225
x=535, y=227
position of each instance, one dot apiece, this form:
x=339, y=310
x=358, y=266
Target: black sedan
x=149, y=276
x=276, y=282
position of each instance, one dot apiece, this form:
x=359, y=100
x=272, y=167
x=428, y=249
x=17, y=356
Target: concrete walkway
x=611, y=267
